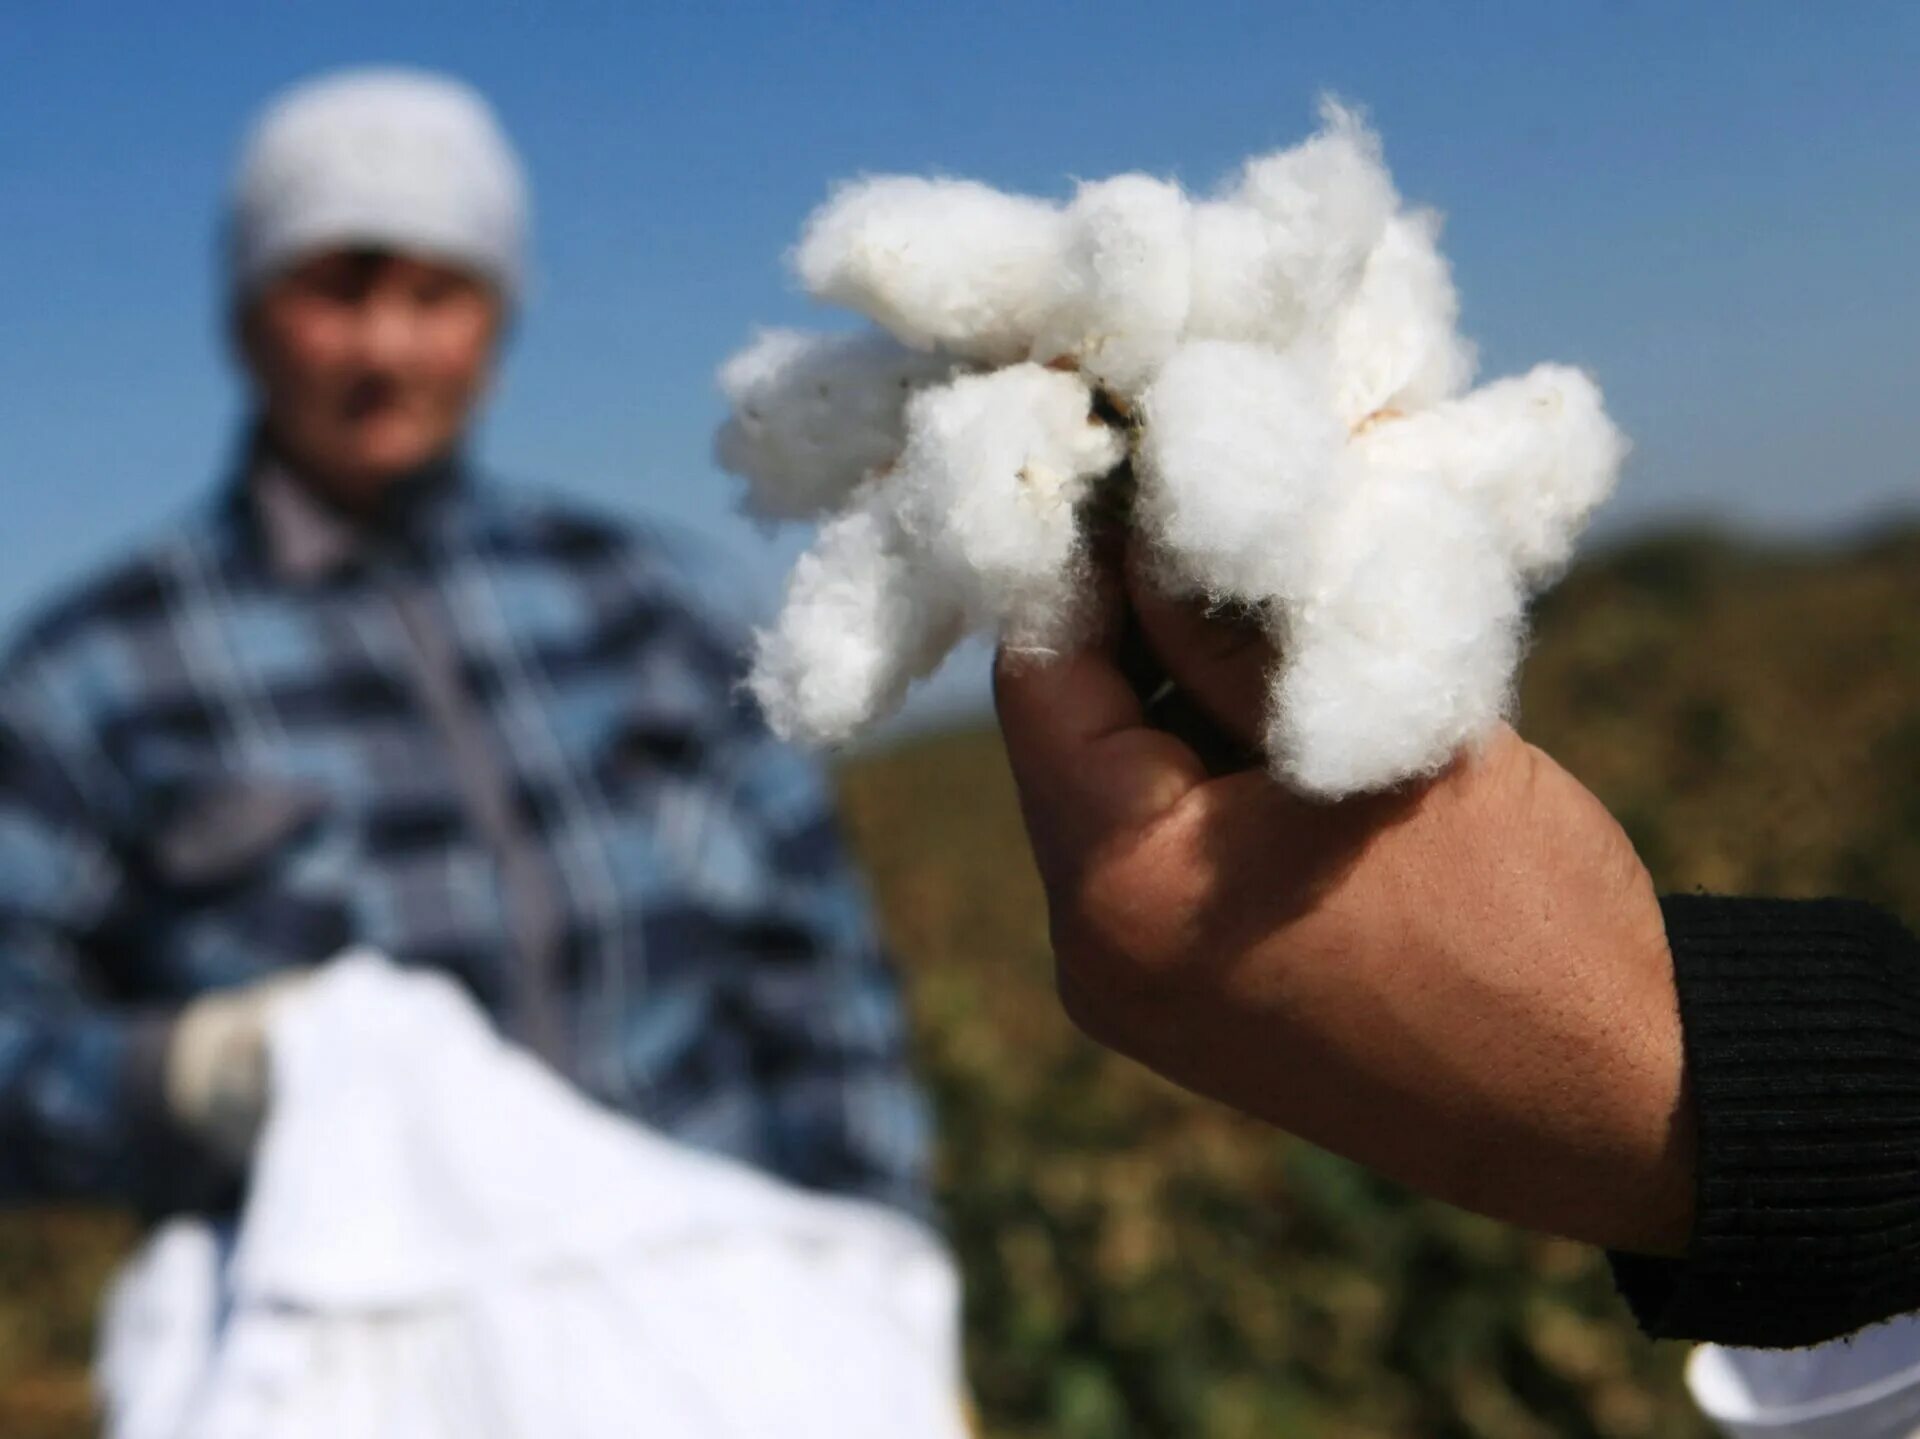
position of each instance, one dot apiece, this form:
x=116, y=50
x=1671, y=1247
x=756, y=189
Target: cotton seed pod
x=1535, y=454
x=862, y=621
x=991, y=483
x=947, y=264
x=1402, y=648
x=1238, y=447
x=1394, y=344
x=1127, y=282
x=814, y=415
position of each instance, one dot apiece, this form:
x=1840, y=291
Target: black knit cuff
x=1802, y=1034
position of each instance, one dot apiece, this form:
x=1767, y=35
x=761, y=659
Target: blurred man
x=365, y=698
x=1471, y=986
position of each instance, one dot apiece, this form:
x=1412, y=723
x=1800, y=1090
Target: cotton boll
x=1395, y=347
x=864, y=617
x=1287, y=356
x=1238, y=450
x=1406, y=647
x=1535, y=454
x=1129, y=273
x=994, y=469
x=947, y=263
x=813, y=415
x=1325, y=203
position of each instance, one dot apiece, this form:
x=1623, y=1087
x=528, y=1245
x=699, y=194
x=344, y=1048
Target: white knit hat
x=386, y=157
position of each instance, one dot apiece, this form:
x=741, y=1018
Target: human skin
x=367, y=364
x=1464, y=985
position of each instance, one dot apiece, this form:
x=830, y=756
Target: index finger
x=1089, y=768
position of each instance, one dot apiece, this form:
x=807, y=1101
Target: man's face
x=367, y=364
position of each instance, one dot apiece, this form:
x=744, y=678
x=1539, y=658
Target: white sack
x=443, y=1239
x=1863, y=1387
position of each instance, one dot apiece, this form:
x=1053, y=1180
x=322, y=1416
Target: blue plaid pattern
x=209, y=772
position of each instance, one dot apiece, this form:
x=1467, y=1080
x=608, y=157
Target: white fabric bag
x=443, y=1239
x=1865, y=1387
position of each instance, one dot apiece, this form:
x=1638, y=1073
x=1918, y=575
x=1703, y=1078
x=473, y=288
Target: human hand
x=1464, y=984
x=216, y=1069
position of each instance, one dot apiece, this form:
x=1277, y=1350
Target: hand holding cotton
x=1278, y=367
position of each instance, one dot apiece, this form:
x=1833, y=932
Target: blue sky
x=1716, y=207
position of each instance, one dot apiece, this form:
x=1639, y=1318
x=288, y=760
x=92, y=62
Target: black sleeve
x=1802, y=1034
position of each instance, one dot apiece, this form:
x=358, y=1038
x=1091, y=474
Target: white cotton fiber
x=1236, y=293
x=1395, y=347
x=1405, y=646
x=1128, y=275
x=994, y=468
x=940, y=263
x=1326, y=203
x=862, y=621
x=1535, y=455
x=1238, y=450
x=1281, y=368
x=813, y=415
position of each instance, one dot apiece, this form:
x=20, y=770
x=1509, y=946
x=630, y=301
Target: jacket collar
x=304, y=539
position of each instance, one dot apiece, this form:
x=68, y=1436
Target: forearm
x=1802, y=1033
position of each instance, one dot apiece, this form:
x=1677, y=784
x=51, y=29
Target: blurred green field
x=1144, y=1264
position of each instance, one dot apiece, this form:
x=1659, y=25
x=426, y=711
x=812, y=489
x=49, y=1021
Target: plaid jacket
x=218, y=761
